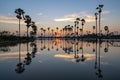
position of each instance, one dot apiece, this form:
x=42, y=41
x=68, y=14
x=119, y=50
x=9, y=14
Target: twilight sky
x=58, y=13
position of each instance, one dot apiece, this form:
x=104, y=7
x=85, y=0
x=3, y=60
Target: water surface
x=61, y=60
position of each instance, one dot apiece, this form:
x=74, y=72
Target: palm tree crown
x=83, y=21
x=19, y=13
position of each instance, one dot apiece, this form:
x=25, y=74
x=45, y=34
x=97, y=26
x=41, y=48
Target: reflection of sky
x=58, y=13
x=57, y=64
x=12, y=55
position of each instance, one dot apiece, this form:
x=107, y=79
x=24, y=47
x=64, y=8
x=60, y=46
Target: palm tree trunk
x=82, y=30
x=99, y=24
x=27, y=32
x=19, y=28
x=75, y=30
x=96, y=27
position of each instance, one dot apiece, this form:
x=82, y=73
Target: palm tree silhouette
x=34, y=27
x=48, y=31
x=106, y=30
x=52, y=31
x=20, y=14
x=80, y=31
x=99, y=11
x=93, y=29
x=44, y=32
x=96, y=22
x=28, y=22
x=41, y=31
x=83, y=22
x=76, y=25
x=57, y=29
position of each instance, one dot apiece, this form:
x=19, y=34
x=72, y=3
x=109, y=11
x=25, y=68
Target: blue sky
x=58, y=13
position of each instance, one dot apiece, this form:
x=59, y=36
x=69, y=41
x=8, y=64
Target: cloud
x=73, y=16
x=87, y=16
x=10, y=20
x=39, y=14
x=106, y=12
x=64, y=19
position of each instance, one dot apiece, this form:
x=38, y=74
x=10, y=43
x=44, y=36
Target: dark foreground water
x=60, y=60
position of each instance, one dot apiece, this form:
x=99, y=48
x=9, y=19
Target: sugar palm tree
x=52, y=31
x=96, y=22
x=41, y=31
x=83, y=22
x=28, y=22
x=68, y=27
x=80, y=31
x=93, y=29
x=99, y=11
x=76, y=25
x=20, y=14
x=34, y=27
x=44, y=32
x=48, y=31
x=106, y=30
x=57, y=29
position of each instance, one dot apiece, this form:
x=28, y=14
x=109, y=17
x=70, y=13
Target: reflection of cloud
x=70, y=57
x=5, y=56
x=105, y=63
x=72, y=17
x=10, y=19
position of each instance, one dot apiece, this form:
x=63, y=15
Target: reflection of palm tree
x=99, y=71
x=20, y=66
x=99, y=11
x=96, y=55
x=82, y=56
x=34, y=49
x=20, y=14
x=28, y=58
x=106, y=46
x=76, y=53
